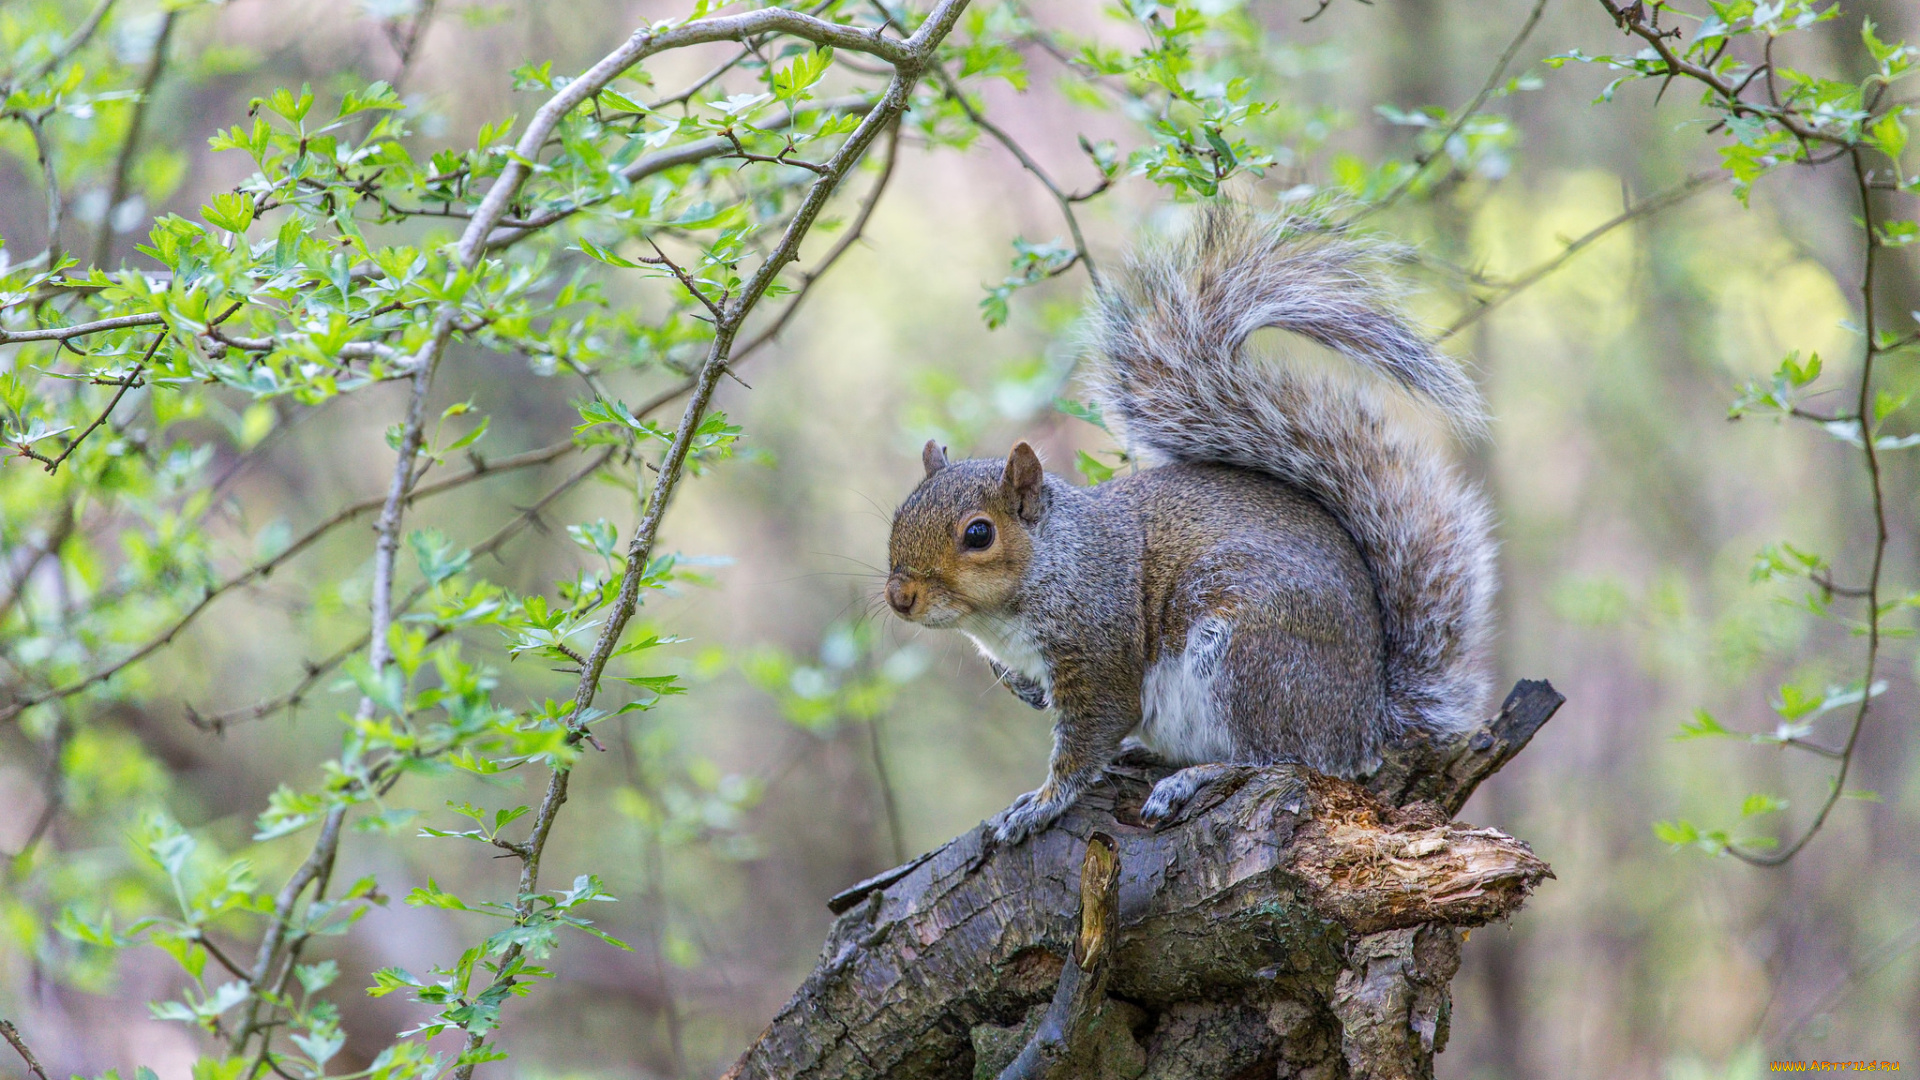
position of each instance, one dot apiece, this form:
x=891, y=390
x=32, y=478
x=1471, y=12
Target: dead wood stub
x=1298, y=926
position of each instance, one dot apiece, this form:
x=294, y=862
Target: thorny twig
x=128, y=382
x=1633, y=20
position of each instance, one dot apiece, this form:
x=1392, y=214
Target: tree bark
x=1291, y=925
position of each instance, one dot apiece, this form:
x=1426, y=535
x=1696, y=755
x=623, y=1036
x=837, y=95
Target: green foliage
x=1773, y=115
x=130, y=396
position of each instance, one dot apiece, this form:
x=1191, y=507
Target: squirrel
x=1295, y=578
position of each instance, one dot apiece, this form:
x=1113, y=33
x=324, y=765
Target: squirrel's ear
x=1023, y=482
x=933, y=456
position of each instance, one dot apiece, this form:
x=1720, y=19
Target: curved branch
x=1871, y=458
x=1060, y=197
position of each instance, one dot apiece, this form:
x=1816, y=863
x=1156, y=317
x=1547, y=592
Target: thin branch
x=317, y=670
x=1633, y=20
x=51, y=789
x=510, y=233
x=319, y=864
x=884, y=777
x=37, y=125
x=704, y=81
x=219, y=954
x=854, y=231
x=74, y=43
x=12, y=1034
x=740, y=151
x=131, y=380
x=408, y=47
x=1460, y=122
x=130, y=146
x=1878, y=960
x=1870, y=455
x=57, y=538
x=1062, y=198
x=66, y=333
x=1644, y=208
x=481, y=468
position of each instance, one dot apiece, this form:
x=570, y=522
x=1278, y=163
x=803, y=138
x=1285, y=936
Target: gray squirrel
x=1296, y=579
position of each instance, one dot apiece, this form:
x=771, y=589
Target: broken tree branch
x=1295, y=925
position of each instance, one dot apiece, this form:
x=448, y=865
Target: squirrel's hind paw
x=1192, y=791
x=1031, y=813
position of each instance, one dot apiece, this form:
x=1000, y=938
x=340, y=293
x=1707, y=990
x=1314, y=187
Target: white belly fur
x=1011, y=645
x=1180, y=718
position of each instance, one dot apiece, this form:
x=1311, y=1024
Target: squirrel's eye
x=979, y=535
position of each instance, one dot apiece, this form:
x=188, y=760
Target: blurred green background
x=823, y=740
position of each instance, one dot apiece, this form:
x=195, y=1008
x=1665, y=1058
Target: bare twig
x=51, y=791
x=1644, y=208
x=67, y=333
x=44, y=150
x=884, y=777
x=408, y=44
x=131, y=380
x=12, y=1034
x=807, y=278
x=56, y=538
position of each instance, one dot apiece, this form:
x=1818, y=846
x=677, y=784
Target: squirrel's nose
x=900, y=594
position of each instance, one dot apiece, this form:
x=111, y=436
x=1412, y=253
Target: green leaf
x=1702, y=726
x=229, y=211
x=1096, y=471
x=387, y=980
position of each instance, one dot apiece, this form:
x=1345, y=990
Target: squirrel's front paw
x=1030, y=813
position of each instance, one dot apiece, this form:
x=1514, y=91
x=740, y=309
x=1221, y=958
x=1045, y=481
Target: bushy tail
x=1172, y=380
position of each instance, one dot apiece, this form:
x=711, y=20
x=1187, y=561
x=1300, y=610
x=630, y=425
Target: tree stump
x=1291, y=925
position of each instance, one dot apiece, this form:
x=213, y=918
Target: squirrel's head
x=962, y=540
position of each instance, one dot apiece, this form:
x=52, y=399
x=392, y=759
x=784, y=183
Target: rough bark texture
x=1292, y=925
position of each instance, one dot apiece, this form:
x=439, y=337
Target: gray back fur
x=1174, y=382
